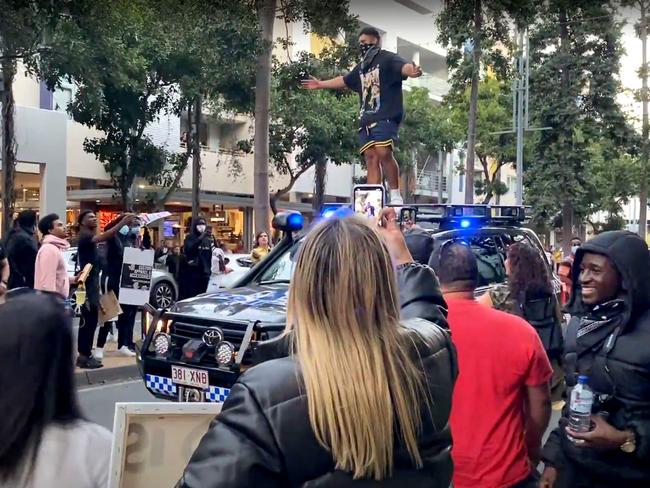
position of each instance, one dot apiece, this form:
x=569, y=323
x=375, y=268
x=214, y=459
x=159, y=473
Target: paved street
x=98, y=402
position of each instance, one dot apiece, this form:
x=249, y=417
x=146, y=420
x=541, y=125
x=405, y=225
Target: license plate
x=191, y=377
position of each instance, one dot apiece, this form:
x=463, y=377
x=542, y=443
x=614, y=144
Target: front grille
x=183, y=330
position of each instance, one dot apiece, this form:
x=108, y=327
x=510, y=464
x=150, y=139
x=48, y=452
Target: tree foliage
x=576, y=52
x=309, y=128
x=25, y=26
x=133, y=61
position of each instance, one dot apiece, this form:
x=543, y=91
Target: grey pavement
x=98, y=402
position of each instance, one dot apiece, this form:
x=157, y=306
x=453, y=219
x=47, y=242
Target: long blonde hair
x=360, y=382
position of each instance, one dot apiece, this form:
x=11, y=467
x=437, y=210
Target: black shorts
x=382, y=133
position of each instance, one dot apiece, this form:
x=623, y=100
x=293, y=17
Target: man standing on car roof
x=378, y=81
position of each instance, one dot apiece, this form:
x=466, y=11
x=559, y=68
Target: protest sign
x=135, y=281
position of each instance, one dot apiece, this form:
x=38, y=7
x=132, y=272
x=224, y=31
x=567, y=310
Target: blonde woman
x=262, y=247
x=364, y=398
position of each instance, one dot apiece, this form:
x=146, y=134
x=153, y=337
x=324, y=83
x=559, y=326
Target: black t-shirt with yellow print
x=379, y=87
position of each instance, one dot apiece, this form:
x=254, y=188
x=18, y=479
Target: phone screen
x=368, y=200
x=407, y=217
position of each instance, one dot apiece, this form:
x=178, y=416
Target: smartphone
x=368, y=200
x=407, y=217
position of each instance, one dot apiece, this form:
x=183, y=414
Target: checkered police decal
x=161, y=385
x=216, y=394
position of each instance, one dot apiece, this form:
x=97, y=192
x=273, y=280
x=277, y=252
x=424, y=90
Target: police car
x=196, y=350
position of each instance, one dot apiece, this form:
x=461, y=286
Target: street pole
x=643, y=190
x=441, y=174
x=520, y=119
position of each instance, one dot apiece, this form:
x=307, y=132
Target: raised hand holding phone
x=393, y=237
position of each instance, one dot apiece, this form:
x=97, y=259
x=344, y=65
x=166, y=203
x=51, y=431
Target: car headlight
x=161, y=324
x=161, y=343
x=224, y=353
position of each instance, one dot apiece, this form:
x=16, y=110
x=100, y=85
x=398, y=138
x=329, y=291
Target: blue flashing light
x=295, y=221
x=330, y=212
x=465, y=223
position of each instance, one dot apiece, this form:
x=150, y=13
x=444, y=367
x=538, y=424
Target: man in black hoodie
x=198, y=252
x=607, y=340
x=21, y=249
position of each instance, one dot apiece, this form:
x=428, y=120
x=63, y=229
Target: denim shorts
x=382, y=133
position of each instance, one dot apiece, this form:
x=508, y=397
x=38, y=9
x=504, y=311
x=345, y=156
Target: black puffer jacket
x=21, y=248
x=263, y=437
x=621, y=378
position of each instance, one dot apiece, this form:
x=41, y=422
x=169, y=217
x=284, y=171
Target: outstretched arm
x=411, y=70
x=315, y=84
x=110, y=233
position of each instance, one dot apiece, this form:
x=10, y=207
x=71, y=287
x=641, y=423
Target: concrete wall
x=26, y=90
x=41, y=141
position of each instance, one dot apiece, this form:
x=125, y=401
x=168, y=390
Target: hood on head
x=62, y=244
x=630, y=255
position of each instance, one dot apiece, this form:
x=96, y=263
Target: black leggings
x=125, y=322
x=102, y=335
x=87, y=326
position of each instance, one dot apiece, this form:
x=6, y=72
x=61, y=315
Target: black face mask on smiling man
x=600, y=281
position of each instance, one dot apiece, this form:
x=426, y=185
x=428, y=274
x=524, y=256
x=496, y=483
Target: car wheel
x=163, y=295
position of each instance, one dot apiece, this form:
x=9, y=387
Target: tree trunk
x=196, y=159
x=473, y=103
x=261, y=202
x=8, y=145
x=643, y=188
x=320, y=178
x=565, y=137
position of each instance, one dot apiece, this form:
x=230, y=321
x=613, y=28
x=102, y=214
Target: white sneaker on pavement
x=99, y=353
x=125, y=351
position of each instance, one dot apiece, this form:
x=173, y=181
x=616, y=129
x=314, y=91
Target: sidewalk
x=116, y=367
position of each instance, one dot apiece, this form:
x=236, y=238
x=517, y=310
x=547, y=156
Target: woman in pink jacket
x=51, y=273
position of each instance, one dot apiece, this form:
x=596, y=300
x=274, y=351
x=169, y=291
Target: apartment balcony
x=428, y=183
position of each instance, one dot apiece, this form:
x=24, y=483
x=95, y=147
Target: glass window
x=489, y=258
x=282, y=268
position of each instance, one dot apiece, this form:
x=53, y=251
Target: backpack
x=542, y=314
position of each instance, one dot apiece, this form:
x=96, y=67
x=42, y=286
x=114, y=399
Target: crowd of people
x=27, y=263
x=397, y=374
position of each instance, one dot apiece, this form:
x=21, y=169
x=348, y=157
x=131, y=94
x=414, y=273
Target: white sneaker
x=125, y=351
x=99, y=353
x=397, y=200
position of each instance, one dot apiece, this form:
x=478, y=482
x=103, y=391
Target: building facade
x=55, y=174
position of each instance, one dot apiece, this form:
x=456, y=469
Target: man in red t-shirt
x=501, y=404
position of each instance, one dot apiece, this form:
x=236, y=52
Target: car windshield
x=282, y=269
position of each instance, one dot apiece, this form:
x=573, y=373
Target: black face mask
x=365, y=47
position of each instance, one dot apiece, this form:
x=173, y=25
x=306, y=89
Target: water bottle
x=582, y=399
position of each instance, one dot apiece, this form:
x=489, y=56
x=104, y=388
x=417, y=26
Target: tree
x=482, y=30
x=493, y=150
x=427, y=129
x=641, y=28
x=23, y=26
x=576, y=51
x=326, y=17
x=308, y=129
x=138, y=60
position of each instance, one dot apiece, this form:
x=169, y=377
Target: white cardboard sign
x=135, y=280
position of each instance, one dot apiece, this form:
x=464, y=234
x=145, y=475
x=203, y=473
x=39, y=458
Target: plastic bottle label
x=581, y=402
